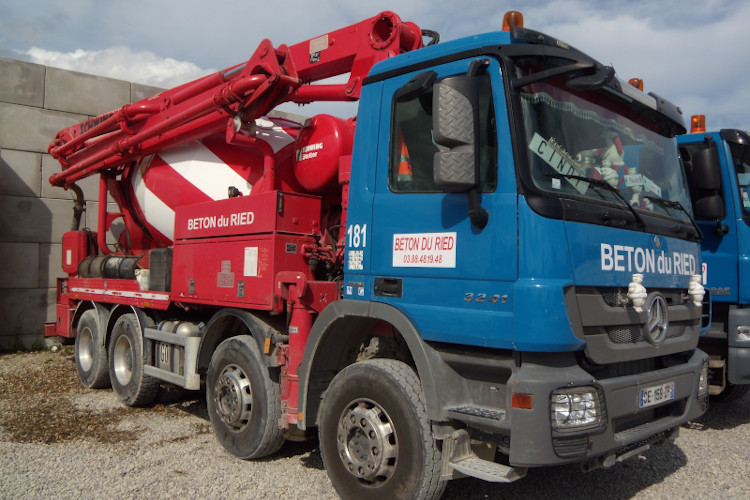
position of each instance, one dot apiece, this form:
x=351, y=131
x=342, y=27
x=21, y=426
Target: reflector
x=522, y=401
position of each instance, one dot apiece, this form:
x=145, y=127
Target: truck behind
x=718, y=167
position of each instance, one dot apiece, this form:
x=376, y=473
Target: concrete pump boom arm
x=211, y=104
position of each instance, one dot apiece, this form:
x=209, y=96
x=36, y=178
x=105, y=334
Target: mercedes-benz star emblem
x=658, y=319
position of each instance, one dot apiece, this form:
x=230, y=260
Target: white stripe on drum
x=204, y=170
x=273, y=134
x=157, y=213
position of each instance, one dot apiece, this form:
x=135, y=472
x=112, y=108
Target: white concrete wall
x=35, y=103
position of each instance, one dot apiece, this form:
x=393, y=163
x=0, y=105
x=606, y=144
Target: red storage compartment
x=75, y=248
x=241, y=271
x=272, y=211
x=229, y=252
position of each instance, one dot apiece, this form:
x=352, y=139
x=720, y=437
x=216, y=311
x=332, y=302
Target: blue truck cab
x=519, y=219
x=718, y=172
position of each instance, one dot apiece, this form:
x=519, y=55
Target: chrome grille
x=627, y=334
x=614, y=297
x=618, y=297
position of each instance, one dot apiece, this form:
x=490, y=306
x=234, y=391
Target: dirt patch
x=40, y=403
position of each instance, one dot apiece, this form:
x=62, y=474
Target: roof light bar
x=512, y=18
x=637, y=83
x=697, y=124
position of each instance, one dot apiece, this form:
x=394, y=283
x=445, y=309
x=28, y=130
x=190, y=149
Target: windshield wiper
x=678, y=206
x=605, y=185
x=583, y=72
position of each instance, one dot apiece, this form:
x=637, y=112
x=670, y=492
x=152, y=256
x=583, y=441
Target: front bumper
x=738, y=355
x=625, y=427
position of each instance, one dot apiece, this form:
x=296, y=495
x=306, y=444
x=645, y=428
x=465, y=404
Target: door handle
x=388, y=287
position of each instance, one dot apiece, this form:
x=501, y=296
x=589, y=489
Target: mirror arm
x=720, y=229
x=478, y=215
x=477, y=66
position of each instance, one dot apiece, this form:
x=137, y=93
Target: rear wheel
x=90, y=352
x=244, y=402
x=375, y=436
x=126, y=361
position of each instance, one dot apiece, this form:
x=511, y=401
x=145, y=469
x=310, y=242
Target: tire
x=375, y=437
x=732, y=392
x=126, y=360
x=91, y=353
x=244, y=403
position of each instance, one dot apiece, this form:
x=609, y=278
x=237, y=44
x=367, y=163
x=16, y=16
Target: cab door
x=451, y=277
x=719, y=248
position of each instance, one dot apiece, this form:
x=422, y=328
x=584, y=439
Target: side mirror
x=455, y=125
x=709, y=208
x=705, y=180
x=706, y=172
x=456, y=128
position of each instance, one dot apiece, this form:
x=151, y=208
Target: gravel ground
x=58, y=440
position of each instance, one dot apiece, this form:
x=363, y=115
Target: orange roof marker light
x=637, y=83
x=697, y=124
x=512, y=18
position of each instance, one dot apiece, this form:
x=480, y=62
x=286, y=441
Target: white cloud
x=690, y=53
x=122, y=63
x=690, y=56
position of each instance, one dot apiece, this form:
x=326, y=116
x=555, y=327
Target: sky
x=691, y=53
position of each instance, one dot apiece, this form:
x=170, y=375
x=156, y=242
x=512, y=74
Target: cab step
x=458, y=457
x=717, y=373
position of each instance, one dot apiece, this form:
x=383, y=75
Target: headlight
x=576, y=408
x=743, y=333
x=703, y=382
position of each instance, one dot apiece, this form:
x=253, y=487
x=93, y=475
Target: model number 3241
x=483, y=297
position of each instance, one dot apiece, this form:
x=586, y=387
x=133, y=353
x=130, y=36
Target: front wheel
x=244, y=402
x=375, y=436
x=126, y=361
x=732, y=392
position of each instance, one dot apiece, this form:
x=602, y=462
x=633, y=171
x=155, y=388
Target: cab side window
x=412, y=146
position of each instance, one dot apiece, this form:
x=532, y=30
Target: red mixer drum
x=204, y=170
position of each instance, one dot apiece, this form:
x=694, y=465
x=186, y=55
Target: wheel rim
x=367, y=443
x=123, y=360
x=233, y=397
x=85, y=349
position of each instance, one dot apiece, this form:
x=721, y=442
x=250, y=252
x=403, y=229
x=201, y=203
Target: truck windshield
x=741, y=161
x=573, y=135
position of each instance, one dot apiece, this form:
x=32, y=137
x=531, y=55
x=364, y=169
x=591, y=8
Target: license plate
x=657, y=394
